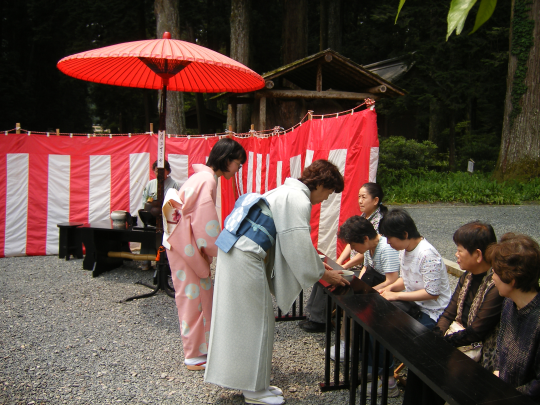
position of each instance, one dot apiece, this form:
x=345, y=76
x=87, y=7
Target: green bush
x=401, y=159
x=477, y=188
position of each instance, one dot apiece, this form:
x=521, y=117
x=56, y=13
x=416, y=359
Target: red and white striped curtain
x=47, y=180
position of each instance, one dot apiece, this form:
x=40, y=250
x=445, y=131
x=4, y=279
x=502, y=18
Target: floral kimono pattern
x=192, y=229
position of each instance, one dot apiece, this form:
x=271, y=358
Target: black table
x=69, y=241
x=99, y=238
x=450, y=373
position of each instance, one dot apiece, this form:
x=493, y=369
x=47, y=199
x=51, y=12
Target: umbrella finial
x=166, y=35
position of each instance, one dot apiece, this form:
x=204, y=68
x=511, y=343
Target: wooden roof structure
x=326, y=75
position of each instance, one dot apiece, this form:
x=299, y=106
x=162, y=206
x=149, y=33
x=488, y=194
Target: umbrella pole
x=161, y=171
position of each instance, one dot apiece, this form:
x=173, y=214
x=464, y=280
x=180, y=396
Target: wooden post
x=151, y=127
x=18, y=128
x=231, y=113
x=252, y=127
x=319, y=77
x=57, y=131
x=310, y=112
x=262, y=114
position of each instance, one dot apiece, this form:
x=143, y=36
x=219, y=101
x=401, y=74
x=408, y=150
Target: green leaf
x=484, y=13
x=401, y=3
x=459, y=9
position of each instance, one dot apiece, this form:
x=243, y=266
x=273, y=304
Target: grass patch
x=478, y=188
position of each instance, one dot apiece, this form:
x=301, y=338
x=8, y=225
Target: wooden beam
x=241, y=100
x=377, y=89
x=306, y=94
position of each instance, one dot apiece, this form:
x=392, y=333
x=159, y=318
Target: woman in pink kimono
x=191, y=228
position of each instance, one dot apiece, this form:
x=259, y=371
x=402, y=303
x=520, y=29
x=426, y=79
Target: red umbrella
x=152, y=64
x=166, y=64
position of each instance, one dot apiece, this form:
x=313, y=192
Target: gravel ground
x=66, y=338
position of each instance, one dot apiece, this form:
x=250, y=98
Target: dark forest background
x=455, y=90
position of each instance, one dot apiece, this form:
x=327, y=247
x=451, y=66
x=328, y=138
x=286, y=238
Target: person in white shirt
x=423, y=279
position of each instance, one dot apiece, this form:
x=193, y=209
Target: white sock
x=195, y=360
x=265, y=396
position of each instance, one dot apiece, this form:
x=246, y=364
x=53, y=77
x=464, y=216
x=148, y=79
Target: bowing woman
x=191, y=228
x=273, y=254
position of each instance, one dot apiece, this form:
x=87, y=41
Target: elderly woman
x=516, y=266
x=273, y=254
x=476, y=306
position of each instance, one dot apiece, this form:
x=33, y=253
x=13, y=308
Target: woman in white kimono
x=242, y=331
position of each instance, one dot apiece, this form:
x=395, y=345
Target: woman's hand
x=389, y=295
x=333, y=277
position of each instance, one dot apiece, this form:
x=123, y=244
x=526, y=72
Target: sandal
x=198, y=366
x=265, y=400
x=275, y=390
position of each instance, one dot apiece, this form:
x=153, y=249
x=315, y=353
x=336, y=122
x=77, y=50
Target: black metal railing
x=295, y=313
x=377, y=322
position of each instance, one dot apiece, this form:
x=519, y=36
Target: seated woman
x=248, y=271
x=476, y=305
x=516, y=267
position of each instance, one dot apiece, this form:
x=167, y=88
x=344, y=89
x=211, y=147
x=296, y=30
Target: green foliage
x=460, y=187
x=522, y=42
x=402, y=159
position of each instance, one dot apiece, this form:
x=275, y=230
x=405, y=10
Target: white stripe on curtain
x=179, y=168
x=296, y=166
x=58, y=198
x=249, y=186
x=16, y=204
x=329, y=218
x=139, y=173
x=258, y=174
x=278, y=173
x=309, y=158
x=267, y=173
x=99, y=201
x=373, y=163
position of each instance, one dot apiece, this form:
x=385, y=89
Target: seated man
x=423, y=280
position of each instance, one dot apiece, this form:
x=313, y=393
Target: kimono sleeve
x=298, y=250
x=205, y=223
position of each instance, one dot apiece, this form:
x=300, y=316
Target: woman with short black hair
x=191, y=227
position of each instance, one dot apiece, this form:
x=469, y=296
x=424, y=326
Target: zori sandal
x=195, y=367
x=275, y=390
x=265, y=400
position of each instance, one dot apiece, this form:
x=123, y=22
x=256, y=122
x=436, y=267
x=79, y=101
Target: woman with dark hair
x=475, y=307
x=191, y=227
x=423, y=279
x=253, y=265
x=516, y=267
x=370, y=199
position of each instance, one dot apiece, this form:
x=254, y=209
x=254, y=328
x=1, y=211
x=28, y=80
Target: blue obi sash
x=247, y=219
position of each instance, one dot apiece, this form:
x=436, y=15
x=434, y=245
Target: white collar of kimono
x=295, y=183
x=203, y=168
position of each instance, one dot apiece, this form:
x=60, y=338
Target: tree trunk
x=295, y=30
x=519, y=156
x=168, y=19
x=323, y=30
x=452, y=142
x=434, y=118
x=240, y=19
x=334, y=25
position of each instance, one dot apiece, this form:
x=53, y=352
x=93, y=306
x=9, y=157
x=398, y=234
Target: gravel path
x=66, y=339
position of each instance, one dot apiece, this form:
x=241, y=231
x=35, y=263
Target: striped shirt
x=385, y=259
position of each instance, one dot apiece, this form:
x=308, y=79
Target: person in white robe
x=242, y=328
